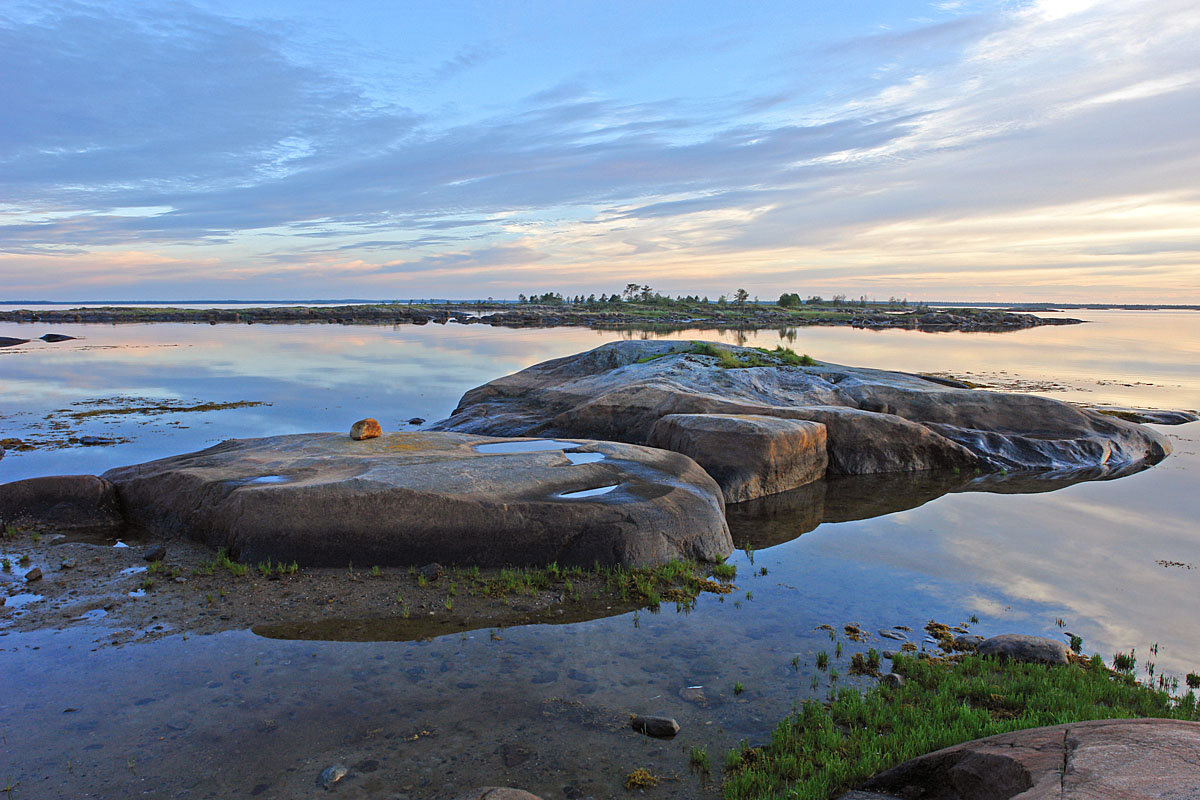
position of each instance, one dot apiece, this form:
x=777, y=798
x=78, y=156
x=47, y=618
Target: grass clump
x=821, y=751
x=640, y=778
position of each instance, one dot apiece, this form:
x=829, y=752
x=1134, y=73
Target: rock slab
x=749, y=456
x=416, y=498
x=876, y=421
x=1100, y=760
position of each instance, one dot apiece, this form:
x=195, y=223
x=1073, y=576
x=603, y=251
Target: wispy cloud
x=1040, y=146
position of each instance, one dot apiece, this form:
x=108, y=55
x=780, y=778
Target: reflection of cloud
x=1089, y=550
x=1002, y=152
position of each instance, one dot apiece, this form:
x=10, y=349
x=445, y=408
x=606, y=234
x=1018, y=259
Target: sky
x=1016, y=150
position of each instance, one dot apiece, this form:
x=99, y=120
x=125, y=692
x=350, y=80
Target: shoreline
x=606, y=316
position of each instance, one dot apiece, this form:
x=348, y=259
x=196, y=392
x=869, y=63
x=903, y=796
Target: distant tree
x=839, y=299
x=721, y=300
x=631, y=291
x=740, y=297
x=789, y=300
x=522, y=298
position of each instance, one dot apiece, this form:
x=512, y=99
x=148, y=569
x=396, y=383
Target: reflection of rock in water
x=418, y=627
x=778, y=518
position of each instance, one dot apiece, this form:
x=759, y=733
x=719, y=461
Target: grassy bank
x=823, y=750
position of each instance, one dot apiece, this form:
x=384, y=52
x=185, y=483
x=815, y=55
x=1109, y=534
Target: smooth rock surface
x=876, y=421
x=415, y=498
x=64, y=503
x=749, y=456
x=1104, y=760
x=1021, y=647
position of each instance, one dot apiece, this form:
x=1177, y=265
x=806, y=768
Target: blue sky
x=952, y=150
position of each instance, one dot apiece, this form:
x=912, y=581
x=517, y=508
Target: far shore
x=661, y=314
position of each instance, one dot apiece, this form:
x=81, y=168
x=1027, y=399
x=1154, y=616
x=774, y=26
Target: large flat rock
x=63, y=503
x=325, y=499
x=875, y=421
x=1140, y=759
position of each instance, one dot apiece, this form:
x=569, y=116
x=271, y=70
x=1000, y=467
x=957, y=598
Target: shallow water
x=545, y=707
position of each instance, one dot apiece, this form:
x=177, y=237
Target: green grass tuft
x=822, y=751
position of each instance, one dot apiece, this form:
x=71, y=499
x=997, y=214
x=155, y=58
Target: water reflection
x=778, y=518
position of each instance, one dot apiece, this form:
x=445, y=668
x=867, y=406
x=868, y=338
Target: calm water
x=545, y=707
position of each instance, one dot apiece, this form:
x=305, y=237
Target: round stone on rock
x=368, y=428
x=1020, y=647
x=892, y=680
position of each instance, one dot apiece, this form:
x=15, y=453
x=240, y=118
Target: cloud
x=979, y=150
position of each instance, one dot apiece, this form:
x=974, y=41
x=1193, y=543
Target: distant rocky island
x=548, y=311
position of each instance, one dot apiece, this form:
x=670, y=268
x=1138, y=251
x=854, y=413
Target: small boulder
x=11, y=341
x=749, y=456
x=155, y=552
x=34, y=574
x=368, y=428
x=417, y=421
x=967, y=641
x=658, y=727
x=331, y=775
x=430, y=572
x=55, y=337
x=1020, y=647
x=95, y=441
x=892, y=680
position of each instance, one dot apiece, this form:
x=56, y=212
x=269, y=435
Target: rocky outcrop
x=875, y=421
x=1021, y=647
x=63, y=503
x=1100, y=760
x=749, y=456
x=410, y=499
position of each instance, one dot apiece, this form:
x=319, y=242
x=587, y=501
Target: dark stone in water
x=9, y=341
x=417, y=421
x=583, y=677
x=55, y=337
x=94, y=441
x=545, y=676
x=515, y=754
x=659, y=727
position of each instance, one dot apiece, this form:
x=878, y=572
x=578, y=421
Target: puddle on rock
x=582, y=493
x=21, y=599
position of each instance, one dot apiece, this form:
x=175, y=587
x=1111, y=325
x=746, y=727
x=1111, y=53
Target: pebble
x=67, y=563
x=34, y=574
x=659, y=727
x=332, y=774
